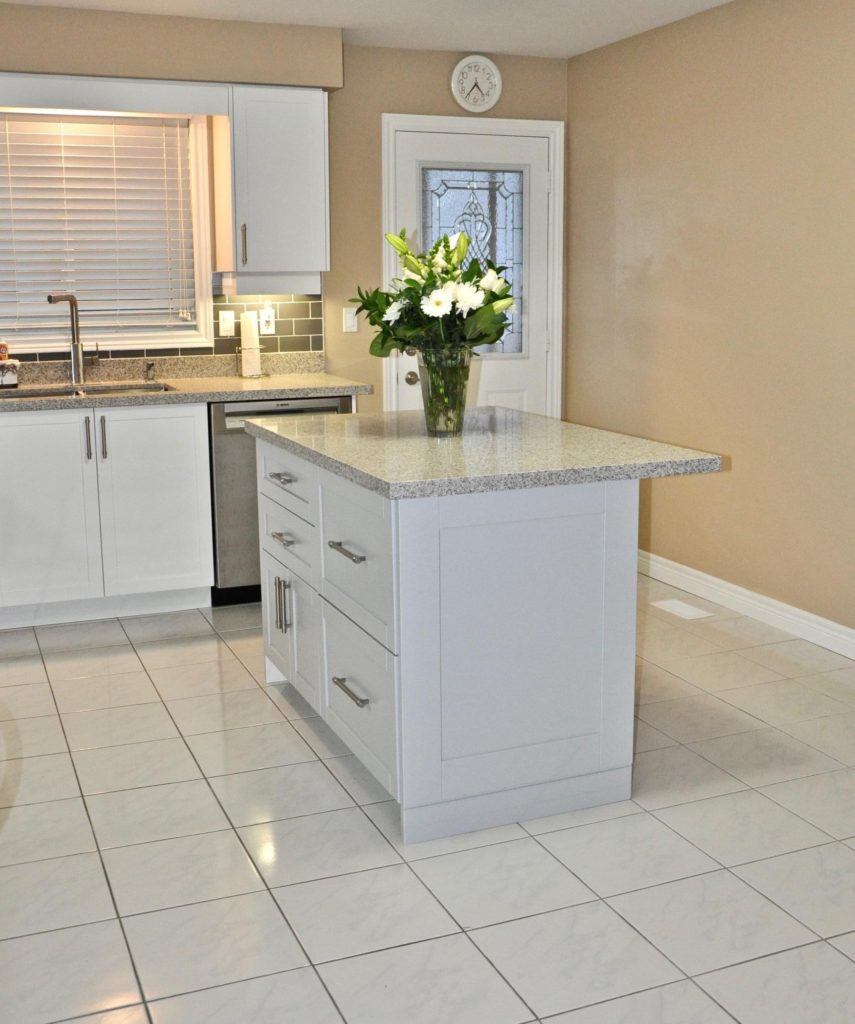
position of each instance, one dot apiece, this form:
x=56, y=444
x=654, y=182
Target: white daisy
x=468, y=297
x=438, y=303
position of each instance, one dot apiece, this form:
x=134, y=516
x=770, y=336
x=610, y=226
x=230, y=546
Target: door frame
x=553, y=131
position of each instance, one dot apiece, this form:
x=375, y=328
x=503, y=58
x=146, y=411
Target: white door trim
x=553, y=131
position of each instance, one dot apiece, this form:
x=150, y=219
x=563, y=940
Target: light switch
x=348, y=320
x=267, y=319
x=227, y=323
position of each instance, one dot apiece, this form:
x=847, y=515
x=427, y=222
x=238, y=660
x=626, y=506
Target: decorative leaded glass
x=488, y=206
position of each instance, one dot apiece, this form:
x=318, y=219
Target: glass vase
x=444, y=376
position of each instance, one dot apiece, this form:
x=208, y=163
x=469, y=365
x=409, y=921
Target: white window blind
x=101, y=207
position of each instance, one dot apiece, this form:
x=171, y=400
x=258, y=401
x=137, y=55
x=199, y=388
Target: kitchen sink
x=130, y=387
x=124, y=388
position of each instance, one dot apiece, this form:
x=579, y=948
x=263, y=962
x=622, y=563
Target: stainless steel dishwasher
x=236, y=558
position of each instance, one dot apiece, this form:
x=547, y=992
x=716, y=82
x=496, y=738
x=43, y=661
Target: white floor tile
x=696, y=718
x=169, y=626
x=846, y=944
x=80, y=636
x=724, y=671
x=647, y=738
x=320, y=737
x=31, y=737
x=834, y=735
x=387, y=818
x=50, y=894
x=155, y=876
x=797, y=658
x=710, y=921
x=680, y=1003
x=293, y=998
x=812, y=985
x=839, y=684
x=31, y=780
x=738, y=632
x=827, y=801
x=22, y=669
x=208, y=677
x=251, y=798
x=184, y=651
x=26, y=701
x=154, y=812
x=317, y=846
x=763, y=757
x=255, y=664
x=362, y=912
x=96, y=661
x=668, y=651
x=816, y=886
x=653, y=683
x=39, y=831
x=741, y=827
x=676, y=776
x=215, y=712
x=112, y=727
x=626, y=853
x=784, y=701
x=66, y=973
x=289, y=702
x=356, y=779
x=497, y=883
x=237, y=616
x=212, y=943
x=569, y=958
x=127, y=1015
x=440, y=980
x=247, y=644
x=586, y=816
x=106, y=769
x=18, y=643
x=97, y=692
x=244, y=750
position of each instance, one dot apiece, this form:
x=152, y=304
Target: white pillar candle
x=250, y=354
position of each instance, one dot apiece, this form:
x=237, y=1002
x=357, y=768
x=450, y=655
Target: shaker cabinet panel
x=50, y=544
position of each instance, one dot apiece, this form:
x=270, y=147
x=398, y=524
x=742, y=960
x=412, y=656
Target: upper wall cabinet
x=280, y=213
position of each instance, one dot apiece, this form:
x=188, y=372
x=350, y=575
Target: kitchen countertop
x=501, y=449
x=198, y=389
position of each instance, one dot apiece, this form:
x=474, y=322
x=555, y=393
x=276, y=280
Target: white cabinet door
x=302, y=609
x=280, y=179
x=275, y=583
x=154, y=479
x=50, y=545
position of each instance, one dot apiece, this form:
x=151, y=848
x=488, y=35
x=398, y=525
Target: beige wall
x=378, y=81
x=711, y=296
x=63, y=40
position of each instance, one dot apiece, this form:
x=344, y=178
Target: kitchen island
x=461, y=612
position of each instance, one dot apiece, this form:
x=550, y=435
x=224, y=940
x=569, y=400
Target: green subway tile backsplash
x=298, y=322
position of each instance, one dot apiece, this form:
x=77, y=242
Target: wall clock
x=476, y=83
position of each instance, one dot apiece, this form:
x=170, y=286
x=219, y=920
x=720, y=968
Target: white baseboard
x=832, y=635
x=104, y=607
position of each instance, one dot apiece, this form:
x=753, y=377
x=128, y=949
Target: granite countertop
x=194, y=389
x=501, y=449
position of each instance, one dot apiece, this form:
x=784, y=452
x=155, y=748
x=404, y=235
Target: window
x=101, y=206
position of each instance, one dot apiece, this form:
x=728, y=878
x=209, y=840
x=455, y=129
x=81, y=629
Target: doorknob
x=412, y=377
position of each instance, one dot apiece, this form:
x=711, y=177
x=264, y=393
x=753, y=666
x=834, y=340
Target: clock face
x=476, y=83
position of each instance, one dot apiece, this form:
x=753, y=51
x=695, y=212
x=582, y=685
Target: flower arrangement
x=443, y=307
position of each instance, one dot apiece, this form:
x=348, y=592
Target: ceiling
x=542, y=28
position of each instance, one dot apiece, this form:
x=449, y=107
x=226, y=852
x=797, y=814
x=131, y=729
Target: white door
x=50, y=543
x=500, y=182
x=280, y=176
x=155, y=485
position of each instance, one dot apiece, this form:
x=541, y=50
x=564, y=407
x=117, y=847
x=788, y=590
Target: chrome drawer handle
x=283, y=479
x=283, y=538
x=337, y=545
x=277, y=593
x=284, y=587
x=341, y=683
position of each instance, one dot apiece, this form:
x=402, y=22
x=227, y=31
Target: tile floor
x=180, y=844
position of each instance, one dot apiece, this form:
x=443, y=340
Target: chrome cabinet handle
x=337, y=545
x=104, y=437
x=283, y=479
x=277, y=594
x=284, y=539
x=341, y=683
x=243, y=248
x=88, y=438
x=285, y=586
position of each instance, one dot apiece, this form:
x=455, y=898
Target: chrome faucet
x=76, y=344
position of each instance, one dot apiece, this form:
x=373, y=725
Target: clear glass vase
x=444, y=376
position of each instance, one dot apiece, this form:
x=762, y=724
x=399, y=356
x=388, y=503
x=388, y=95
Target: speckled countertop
x=195, y=389
x=501, y=449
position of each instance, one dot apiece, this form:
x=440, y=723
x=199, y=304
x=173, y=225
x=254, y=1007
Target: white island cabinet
x=461, y=612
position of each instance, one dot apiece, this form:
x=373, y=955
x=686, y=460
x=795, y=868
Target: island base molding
x=489, y=810
x=87, y=609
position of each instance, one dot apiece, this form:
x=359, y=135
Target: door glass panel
x=488, y=206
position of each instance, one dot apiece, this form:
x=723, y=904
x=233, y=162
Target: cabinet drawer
x=289, y=481
x=362, y=706
x=290, y=539
x=357, y=567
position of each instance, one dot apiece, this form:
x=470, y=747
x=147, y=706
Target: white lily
x=393, y=313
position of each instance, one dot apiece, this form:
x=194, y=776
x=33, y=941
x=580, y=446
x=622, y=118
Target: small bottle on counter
x=8, y=368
